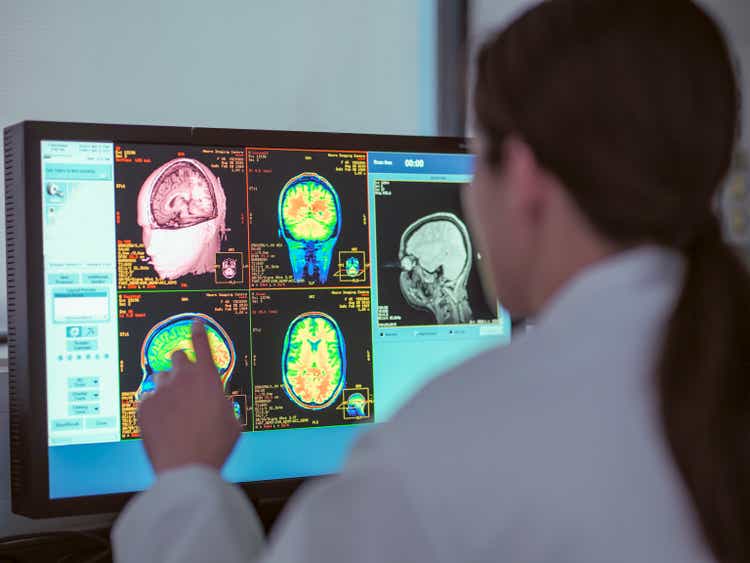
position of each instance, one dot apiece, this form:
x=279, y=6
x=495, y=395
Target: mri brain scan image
x=229, y=268
x=182, y=214
x=174, y=333
x=435, y=255
x=356, y=405
x=313, y=364
x=310, y=224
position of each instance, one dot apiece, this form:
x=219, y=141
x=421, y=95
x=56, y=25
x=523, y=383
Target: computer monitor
x=335, y=275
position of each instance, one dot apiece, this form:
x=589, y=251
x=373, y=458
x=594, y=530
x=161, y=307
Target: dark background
x=133, y=174
x=408, y=202
x=270, y=328
x=159, y=306
x=265, y=187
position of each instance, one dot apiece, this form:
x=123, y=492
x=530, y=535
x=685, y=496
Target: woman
x=617, y=430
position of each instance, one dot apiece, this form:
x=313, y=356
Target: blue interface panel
x=333, y=285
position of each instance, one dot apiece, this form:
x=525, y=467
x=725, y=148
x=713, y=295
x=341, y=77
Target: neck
x=563, y=259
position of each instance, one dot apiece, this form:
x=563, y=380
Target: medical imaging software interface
x=332, y=284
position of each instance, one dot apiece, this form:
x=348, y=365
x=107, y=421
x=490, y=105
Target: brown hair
x=634, y=106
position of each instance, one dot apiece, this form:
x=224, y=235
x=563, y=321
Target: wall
x=327, y=65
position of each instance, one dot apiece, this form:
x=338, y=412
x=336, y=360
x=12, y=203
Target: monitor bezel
x=29, y=443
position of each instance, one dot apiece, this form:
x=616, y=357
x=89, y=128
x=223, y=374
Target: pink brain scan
x=182, y=212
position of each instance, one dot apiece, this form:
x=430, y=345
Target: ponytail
x=704, y=388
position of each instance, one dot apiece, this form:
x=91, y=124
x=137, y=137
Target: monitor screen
x=333, y=284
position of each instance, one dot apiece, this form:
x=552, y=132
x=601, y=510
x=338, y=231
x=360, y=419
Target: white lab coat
x=549, y=450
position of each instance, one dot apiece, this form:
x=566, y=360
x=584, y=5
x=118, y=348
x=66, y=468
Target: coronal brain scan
x=313, y=362
x=182, y=211
x=435, y=257
x=352, y=267
x=310, y=224
x=174, y=333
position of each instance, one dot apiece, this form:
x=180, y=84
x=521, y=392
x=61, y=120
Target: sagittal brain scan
x=427, y=265
x=313, y=361
x=154, y=325
x=435, y=257
x=174, y=333
x=356, y=405
x=310, y=223
x=308, y=218
x=310, y=346
x=180, y=213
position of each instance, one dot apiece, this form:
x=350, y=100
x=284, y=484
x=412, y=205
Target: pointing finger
x=202, y=349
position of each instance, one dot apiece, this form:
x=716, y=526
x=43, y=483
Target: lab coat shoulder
x=528, y=451
x=190, y=515
x=390, y=502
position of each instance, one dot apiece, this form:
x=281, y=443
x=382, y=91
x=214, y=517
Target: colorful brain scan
x=436, y=258
x=356, y=405
x=175, y=333
x=352, y=267
x=313, y=364
x=310, y=223
x=182, y=212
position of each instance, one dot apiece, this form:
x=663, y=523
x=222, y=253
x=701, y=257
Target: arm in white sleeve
x=189, y=515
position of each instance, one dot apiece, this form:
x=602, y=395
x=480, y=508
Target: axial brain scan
x=174, y=333
x=310, y=224
x=313, y=364
x=436, y=257
x=182, y=211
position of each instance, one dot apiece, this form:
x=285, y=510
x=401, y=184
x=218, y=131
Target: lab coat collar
x=622, y=276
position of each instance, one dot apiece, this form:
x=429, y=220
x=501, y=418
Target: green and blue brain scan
x=356, y=405
x=175, y=333
x=310, y=223
x=352, y=267
x=313, y=364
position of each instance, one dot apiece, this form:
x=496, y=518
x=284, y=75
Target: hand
x=187, y=419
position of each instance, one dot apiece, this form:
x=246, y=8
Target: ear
x=524, y=177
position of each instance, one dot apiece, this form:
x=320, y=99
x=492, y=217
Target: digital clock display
x=414, y=163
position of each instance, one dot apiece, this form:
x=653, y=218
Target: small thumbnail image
x=310, y=349
x=356, y=403
x=155, y=325
x=230, y=268
x=181, y=217
x=427, y=262
x=309, y=218
x=240, y=409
